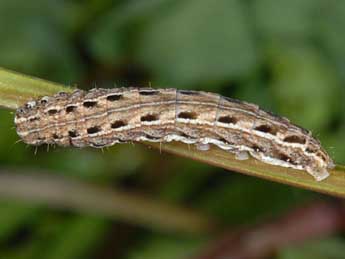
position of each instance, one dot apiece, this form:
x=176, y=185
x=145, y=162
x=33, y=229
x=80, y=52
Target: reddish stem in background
x=313, y=221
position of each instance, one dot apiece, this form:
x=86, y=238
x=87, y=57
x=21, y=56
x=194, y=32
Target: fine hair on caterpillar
x=103, y=117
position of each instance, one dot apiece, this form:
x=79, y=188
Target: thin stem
x=15, y=89
x=59, y=192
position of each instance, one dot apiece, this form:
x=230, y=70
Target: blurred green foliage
x=287, y=56
x=315, y=249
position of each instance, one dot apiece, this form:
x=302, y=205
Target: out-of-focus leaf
x=185, y=182
x=244, y=200
x=108, y=38
x=286, y=19
x=330, y=32
x=106, y=43
x=164, y=247
x=328, y=248
x=13, y=216
x=33, y=40
x=10, y=152
x=35, y=242
x=62, y=237
x=78, y=239
x=304, y=86
x=256, y=90
x=198, y=41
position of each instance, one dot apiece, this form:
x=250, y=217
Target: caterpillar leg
x=241, y=155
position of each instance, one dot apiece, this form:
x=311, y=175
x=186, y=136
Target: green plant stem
x=16, y=89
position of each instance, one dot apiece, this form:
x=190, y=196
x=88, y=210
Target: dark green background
x=286, y=56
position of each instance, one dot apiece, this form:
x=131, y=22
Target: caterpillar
x=103, y=117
